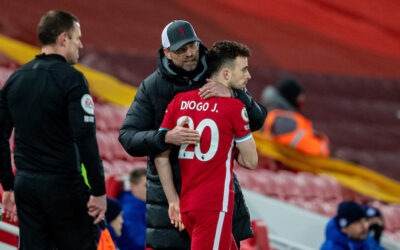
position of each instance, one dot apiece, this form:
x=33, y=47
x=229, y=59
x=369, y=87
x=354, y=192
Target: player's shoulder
x=234, y=102
x=191, y=94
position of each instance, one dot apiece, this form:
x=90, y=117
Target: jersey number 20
x=183, y=154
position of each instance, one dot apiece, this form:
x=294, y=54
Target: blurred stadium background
x=346, y=54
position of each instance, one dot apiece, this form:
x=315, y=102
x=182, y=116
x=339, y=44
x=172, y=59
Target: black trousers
x=52, y=212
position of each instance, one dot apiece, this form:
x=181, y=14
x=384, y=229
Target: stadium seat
x=118, y=116
x=306, y=185
x=328, y=189
x=121, y=167
x=102, y=117
x=391, y=218
x=107, y=168
x=114, y=186
x=261, y=235
x=105, y=149
x=244, y=177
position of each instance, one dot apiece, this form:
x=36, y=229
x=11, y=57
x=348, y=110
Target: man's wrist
x=164, y=134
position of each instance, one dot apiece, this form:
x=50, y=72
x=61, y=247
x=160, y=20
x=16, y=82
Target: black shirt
x=48, y=102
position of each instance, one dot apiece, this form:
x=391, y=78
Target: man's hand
x=97, y=206
x=175, y=215
x=9, y=208
x=180, y=135
x=214, y=88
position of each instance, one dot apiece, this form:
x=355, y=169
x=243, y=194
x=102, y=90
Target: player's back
x=206, y=167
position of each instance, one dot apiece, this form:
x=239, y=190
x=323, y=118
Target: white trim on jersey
x=218, y=232
x=227, y=180
x=244, y=138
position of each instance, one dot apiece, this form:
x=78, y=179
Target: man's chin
x=190, y=67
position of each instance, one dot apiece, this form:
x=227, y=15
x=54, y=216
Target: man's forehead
x=360, y=221
x=188, y=44
x=241, y=61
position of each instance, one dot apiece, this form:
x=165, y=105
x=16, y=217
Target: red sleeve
x=241, y=123
x=169, y=121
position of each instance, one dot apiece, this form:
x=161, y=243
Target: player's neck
x=220, y=79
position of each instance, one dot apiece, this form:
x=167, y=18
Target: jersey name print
x=206, y=167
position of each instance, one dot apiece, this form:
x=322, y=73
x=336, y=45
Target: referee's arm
x=6, y=126
x=6, y=176
x=83, y=125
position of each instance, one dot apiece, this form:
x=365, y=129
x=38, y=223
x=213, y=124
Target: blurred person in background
x=133, y=202
x=114, y=218
x=181, y=67
x=286, y=124
x=48, y=103
x=205, y=204
x=348, y=229
x=376, y=225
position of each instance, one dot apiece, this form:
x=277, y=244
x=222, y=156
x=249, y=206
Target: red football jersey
x=206, y=168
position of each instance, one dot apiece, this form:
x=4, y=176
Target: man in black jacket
x=48, y=103
x=181, y=67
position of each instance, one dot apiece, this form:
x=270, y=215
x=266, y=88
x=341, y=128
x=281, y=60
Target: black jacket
x=48, y=102
x=139, y=135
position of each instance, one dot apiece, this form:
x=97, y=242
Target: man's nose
x=189, y=52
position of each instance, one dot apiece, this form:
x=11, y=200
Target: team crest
x=245, y=116
x=87, y=104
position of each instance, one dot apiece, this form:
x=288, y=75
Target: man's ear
x=61, y=39
x=167, y=53
x=131, y=186
x=226, y=73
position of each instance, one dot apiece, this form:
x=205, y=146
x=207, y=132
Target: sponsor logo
x=87, y=104
x=245, y=116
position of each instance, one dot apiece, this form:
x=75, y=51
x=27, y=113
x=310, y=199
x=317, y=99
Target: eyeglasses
x=192, y=46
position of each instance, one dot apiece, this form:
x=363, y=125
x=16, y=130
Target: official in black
x=48, y=103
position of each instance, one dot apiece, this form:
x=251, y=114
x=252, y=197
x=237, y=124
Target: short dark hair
x=224, y=53
x=136, y=175
x=52, y=24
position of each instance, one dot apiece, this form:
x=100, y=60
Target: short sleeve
x=241, y=124
x=169, y=121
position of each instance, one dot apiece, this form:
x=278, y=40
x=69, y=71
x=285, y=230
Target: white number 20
x=183, y=154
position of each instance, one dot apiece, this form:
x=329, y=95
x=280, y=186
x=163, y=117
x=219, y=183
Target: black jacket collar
x=51, y=56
